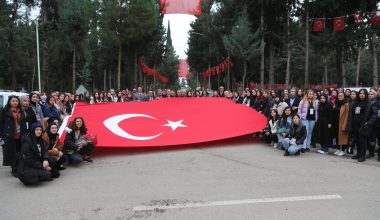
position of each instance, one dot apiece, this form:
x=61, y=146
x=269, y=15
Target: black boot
x=361, y=159
x=286, y=153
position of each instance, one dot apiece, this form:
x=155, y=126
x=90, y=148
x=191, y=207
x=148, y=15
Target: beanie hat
x=35, y=125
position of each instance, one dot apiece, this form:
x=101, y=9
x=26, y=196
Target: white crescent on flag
x=113, y=125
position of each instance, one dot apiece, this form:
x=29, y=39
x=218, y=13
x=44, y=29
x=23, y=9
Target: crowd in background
x=343, y=120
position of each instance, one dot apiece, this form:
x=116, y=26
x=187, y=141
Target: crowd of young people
x=32, y=147
x=344, y=120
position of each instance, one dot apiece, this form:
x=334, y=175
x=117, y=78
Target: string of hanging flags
x=339, y=22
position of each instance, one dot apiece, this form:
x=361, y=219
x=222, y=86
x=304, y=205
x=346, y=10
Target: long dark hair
x=275, y=118
x=365, y=93
x=8, y=105
x=284, y=116
x=83, y=129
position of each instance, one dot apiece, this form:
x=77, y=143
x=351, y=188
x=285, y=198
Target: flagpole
x=38, y=57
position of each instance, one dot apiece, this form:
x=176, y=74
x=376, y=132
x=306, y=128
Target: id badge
x=357, y=110
x=311, y=111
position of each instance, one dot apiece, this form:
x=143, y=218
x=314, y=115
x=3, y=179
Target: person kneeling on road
x=293, y=143
x=35, y=165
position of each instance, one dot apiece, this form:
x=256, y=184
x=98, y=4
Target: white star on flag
x=175, y=125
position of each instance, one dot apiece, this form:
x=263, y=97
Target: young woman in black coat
x=35, y=164
x=12, y=128
x=322, y=130
x=78, y=149
x=362, y=120
x=28, y=112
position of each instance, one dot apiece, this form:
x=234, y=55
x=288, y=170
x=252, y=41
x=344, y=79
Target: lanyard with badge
x=357, y=110
x=311, y=109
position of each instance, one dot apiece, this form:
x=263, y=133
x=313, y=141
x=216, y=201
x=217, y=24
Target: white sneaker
x=275, y=145
x=341, y=153
x=321, y=152
x=337, y=152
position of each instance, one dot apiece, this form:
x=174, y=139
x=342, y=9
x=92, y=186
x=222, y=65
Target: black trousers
x=76, y=157
x=375, y=133
x=11, y=148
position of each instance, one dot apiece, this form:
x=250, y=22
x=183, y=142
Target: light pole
x=38, y=57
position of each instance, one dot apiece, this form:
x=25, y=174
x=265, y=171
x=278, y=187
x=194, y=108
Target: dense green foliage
x=333, y=56
x=96, y=43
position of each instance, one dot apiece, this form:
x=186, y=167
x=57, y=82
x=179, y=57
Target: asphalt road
x=239, y=178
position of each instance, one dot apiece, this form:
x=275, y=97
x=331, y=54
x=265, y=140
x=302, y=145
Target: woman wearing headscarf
x=30, y=116
x=35, y=165
x=54, y=146
x=322, y=129
x=12, y=128
x=37, y=108
x=340, y=121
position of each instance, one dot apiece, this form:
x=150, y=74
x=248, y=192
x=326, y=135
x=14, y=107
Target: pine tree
x=242, y=42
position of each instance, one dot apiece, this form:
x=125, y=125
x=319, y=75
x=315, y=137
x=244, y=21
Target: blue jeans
x=309, y=124
x=292, y=149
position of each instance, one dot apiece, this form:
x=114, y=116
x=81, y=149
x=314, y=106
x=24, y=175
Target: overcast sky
x=179, y=25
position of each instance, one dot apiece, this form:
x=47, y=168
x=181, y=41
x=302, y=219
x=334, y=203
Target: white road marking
x=234, y=202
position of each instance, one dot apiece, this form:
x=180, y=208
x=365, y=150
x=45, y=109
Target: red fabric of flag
x=166, y=122
x=357, y=19
x=339, y=24
x=319, y=24
x=375, y=18
x=193, y=7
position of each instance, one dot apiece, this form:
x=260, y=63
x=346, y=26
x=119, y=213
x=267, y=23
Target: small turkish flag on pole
x=319, y=24
x=339, y=24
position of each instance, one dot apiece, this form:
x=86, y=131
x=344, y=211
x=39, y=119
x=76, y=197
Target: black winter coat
x=370, y=117
x=321, y=133
x=30, y=117
x=298, y=132
x=31, y=161
x=7, y=132
x=69, y=144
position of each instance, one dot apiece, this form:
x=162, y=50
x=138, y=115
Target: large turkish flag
x=171, y=121
x=192, y=7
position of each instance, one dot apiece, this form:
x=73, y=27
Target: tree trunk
x=358, y=67
x=74, y=67
x=307, y=47
x=136, y=68
x=228, y=75
x=325, y=75
x=287, y=76
x=110, y=79
x=105, y=80
x=344, y=81
x=11, y=48
x=375, y=63
x=245, y=73
x=271, y=64
x=119, y=68
x=45, y=50
x=262, y=64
